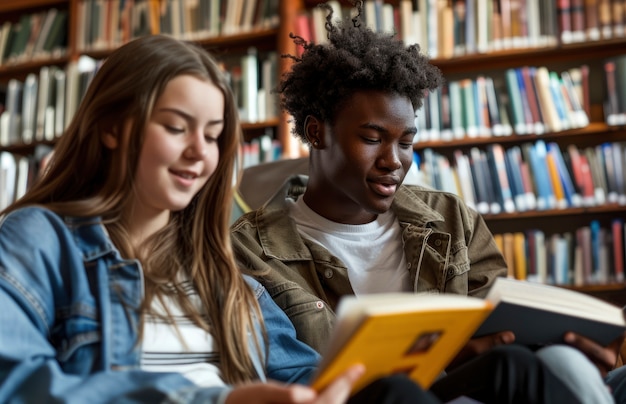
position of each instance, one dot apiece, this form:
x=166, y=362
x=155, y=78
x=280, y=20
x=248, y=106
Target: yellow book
x=414, y=334
x=509, y=253
x=519, y=252
x=557, y=185
x=499, y=240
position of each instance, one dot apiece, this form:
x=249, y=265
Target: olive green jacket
x=448, y=249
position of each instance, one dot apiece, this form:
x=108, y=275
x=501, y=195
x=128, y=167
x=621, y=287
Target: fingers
x=339, y=390
x=271, y=392
x=480, y=345
x=483, y=344
x=603, y=357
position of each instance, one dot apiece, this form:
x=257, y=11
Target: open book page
x=541, y=314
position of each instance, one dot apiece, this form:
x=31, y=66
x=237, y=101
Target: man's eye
x=371, y=140
x=406, y=145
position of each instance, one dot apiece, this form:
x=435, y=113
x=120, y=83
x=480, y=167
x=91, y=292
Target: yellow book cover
x=414, y=334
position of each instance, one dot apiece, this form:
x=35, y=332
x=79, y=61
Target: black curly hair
x=355, y=59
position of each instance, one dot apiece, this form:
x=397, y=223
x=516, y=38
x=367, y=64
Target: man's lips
x=384, y=186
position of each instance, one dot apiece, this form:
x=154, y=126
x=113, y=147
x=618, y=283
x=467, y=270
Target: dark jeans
x=505, y=374
x=397, y=389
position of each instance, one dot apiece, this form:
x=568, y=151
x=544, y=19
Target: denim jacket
x=68, y=329
x=448, y=249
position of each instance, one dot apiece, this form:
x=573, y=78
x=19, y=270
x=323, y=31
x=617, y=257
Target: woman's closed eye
x=174, y=129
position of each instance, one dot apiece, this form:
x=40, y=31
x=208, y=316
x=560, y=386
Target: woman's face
x=180, y=149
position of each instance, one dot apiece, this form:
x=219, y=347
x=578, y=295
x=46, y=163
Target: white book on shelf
x=23, y=173
x=59, y=102
x=42, y=101
x=250, y=84
x=269, y=74
x=7, y=179
x=407, y=28
x=29, y=107
x=4, y=129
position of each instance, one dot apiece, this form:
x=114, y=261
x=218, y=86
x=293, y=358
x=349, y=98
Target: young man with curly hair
x=352, y=227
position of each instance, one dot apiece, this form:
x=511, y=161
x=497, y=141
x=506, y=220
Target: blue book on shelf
x=596, y=244
x=571, y=194
x=541, y=176
x=515, y=181
x=559, y=102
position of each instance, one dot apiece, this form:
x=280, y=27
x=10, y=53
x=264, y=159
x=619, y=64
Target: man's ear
x=314, y=131
x=109, y=139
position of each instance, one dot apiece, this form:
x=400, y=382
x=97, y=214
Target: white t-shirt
x=163, y=350
x=373, y=252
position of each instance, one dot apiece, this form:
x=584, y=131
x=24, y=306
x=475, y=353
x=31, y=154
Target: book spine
x=617, y=231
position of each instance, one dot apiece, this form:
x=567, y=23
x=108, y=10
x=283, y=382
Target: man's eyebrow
x=411, y=130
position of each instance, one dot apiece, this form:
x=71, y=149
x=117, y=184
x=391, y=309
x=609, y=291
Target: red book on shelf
x=592, y=20
x=612, y=108
x=563, y=9
x=577, y=13
x=533, y=102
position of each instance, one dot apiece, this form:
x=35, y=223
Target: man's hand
x=604, y=358
x=272, y=392
x=478, y=346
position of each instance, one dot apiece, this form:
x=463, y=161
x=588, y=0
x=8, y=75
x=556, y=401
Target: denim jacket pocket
x=76, y=337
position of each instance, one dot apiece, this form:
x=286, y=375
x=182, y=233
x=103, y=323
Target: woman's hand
x=336, y=393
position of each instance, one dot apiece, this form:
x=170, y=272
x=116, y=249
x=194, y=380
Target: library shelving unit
x=597, y=132
x=272, y=38
x=558, y=55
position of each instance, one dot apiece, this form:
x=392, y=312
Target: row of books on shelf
x=252, y=78
x=38, y=35
x=18, y=172
x=615, y=100
x=261, y=149
x=107, y=24
x=530, y=100
x=40, y=107
x=590, y=255
x=531, y=176
x=527, y=100
x=446, y=29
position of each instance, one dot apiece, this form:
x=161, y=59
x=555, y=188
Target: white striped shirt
x=163, y=350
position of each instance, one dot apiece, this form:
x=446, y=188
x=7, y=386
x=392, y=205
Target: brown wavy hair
x=84, y=178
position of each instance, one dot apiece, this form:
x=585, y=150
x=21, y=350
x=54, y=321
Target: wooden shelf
x=515, y=57
x=552, y=221
x=550, y=213
x=609, y=134
x=14, y=5
x=22, y=69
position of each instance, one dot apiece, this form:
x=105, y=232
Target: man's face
x=362, y=158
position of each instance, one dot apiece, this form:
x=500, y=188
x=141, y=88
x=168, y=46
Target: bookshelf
x=479, y=51
x=543, y=45
x=269, y=34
